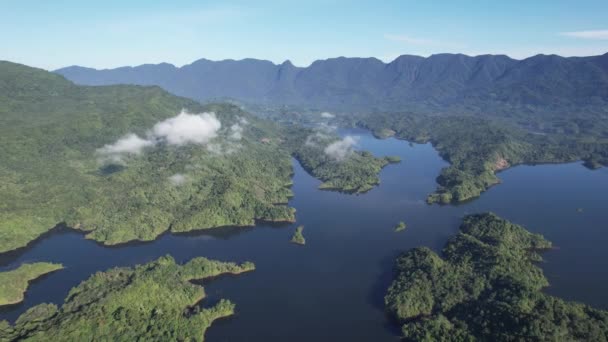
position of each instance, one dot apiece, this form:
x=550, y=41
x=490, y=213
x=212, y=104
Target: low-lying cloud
x=236, y=130
x=185, y=128
x=178, y=179
x=341, y=149
x=327, y=115
x=188, y=128
x=314, y=140
x=129, y=144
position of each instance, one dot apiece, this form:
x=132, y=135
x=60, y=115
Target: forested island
x=486, y=286
x=400, y=227
x=298, y=236
x=14, y=283
x=125, y=163
x=152, y=302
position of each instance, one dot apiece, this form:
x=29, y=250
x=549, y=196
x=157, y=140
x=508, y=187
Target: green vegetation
x=393, y=159
x=400, y=226
x=52, y=172
x=488, y=288
x=14, y=283
x=51, y=131
x=477, y=147
x=298, y=237
x=151, y=302
x=357, y=174
x=347, y=170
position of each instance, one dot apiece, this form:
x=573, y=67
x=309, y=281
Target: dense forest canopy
x=151, y=302
x=14, y=283
x=483, y=113
x=478, y=147
x=486, y=286
x=128, y=163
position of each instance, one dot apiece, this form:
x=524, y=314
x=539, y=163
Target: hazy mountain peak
x=435, y=82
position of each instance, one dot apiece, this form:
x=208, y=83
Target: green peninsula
x=479, y=146
x=486, y=287
x=14, y=283
x=337, y=164
x=151, y=302
x=111, y=161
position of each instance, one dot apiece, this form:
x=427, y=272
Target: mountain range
x=442, y=82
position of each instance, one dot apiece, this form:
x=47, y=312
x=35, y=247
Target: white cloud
x=591, y=34
x=188, y=128
x=325, y=128
x=178, y=179
x=236, y=130
x=223, y=149
x=341, y=149
x=215, y=148
x=179, y=130
x=129, y=144
x=327, y=115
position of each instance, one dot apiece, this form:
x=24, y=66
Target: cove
x=333, y=288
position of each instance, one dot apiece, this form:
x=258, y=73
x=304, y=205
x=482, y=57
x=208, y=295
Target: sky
x=110, y=33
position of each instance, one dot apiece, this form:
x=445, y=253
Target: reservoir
x=332, y=288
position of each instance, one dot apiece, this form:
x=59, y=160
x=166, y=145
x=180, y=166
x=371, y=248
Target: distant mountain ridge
x=435, y=83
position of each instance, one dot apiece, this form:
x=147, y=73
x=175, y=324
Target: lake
x=332, y=288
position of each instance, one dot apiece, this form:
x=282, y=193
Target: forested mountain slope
x=482, y=113
x=450, y=83
x=128, y=163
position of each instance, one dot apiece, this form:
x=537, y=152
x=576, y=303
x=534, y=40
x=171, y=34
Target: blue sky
x=53, y=34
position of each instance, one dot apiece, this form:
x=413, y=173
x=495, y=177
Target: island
x=400, y=227
x=486, y=286
x=298, y=237
x=14, y=283
x=393, y=159
x=150, y=302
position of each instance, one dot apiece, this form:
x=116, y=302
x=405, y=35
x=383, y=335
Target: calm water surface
x=332, y=288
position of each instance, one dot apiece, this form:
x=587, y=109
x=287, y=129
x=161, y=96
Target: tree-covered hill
x=128, y=163
x=152, y=302
x=486, y=287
